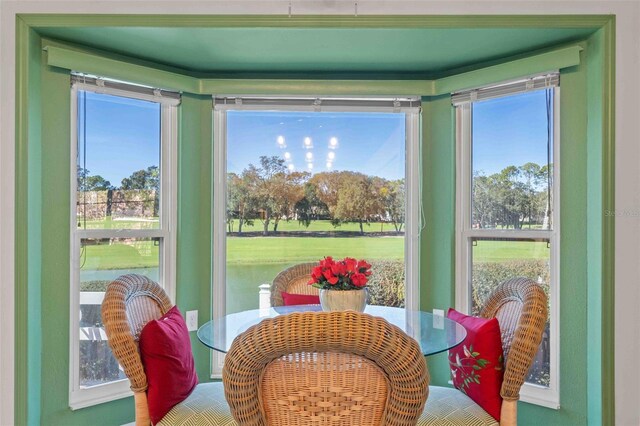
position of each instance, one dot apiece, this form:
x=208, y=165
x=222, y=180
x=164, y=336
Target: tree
x=512, y=196
x=310, y=206
x=145, y=180
x=328, y=185
x=274, y=188
x=357, y=200
x=530, y=173
x=87, y=182
x=241, y=201
x=287, y=191
x=484, y=205
x=546, y=198
x=392, y=196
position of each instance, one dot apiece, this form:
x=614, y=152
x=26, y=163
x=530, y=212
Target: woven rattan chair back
x=292, y=280
x=520, y=305
x=295, y=386
x=129, y=303
x=325, y=368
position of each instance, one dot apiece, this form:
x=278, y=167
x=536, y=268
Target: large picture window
x=507, y=202
x=299, y=180
x=121, y=216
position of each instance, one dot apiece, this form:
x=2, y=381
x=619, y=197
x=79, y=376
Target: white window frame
x=412, y=187
x=78, y=397
x=531, y=393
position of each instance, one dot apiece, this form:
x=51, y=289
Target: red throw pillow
x=299, y=299
x=165, y=349
x=477, y=363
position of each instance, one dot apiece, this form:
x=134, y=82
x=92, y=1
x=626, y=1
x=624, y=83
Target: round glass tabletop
x=434, y=333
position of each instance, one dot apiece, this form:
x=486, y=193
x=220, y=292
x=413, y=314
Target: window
x=507, y=205
x=122, y=212
x=301, y=179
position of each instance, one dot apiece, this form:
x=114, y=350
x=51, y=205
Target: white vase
x=344, y=300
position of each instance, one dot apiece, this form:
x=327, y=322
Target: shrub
x=94, y=285
x=487, y=276
x=386, y=283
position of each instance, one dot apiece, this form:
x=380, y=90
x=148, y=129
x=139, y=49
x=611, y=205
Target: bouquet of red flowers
x=346, y=274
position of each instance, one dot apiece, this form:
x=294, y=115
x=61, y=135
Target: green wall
x=43, y=162
x=195, y=154
x=49, y=168
x=581, y=197
x=437, y=241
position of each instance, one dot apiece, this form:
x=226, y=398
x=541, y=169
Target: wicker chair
x=520, y=305
x=292, y=280
x=130, y=302
x=325, y=368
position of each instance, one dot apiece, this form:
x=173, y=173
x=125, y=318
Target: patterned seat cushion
x=449, y=406
x=205, y=406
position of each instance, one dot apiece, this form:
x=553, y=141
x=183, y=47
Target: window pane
x=101, y=261
x=496, y=261
x=302, y=186
x=118, y=170
x=512, y=161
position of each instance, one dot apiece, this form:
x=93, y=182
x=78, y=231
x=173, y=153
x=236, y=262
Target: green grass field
x=252, y=261
x=120, y=223
x=279, y=250
x=500, y=251
x=243, y=250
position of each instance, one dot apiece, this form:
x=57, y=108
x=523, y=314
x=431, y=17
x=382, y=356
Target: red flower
x=327, y=262
x=330, y=277
x=362, y=264
x=316, y=273
x=351, y=264
x=359, y=280
x=346, y=274
x=339, y=268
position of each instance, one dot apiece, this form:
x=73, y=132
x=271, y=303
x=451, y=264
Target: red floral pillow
x=477, y=363
x=165, y=350
x=299, y=299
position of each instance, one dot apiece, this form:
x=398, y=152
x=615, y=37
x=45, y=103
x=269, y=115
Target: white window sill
x=99, y=395
x=536, y=395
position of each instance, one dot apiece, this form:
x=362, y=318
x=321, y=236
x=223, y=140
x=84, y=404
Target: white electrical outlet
x=192, y=320
x=438, y=318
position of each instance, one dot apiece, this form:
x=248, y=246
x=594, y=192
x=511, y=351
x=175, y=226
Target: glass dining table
x=434, y=333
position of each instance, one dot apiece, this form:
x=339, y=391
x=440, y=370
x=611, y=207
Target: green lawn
x=281, y=250
x=251, y=250
x=116, y=223
x=500, y=251
x=252, y=261
x=140, y=254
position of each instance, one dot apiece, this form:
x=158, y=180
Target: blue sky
x=509, y=131
x=123, y=135
x=371, y=143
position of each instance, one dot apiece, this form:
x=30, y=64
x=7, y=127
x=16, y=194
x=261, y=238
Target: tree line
x=515, y=197
x=270, y=193
x=145, y=179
